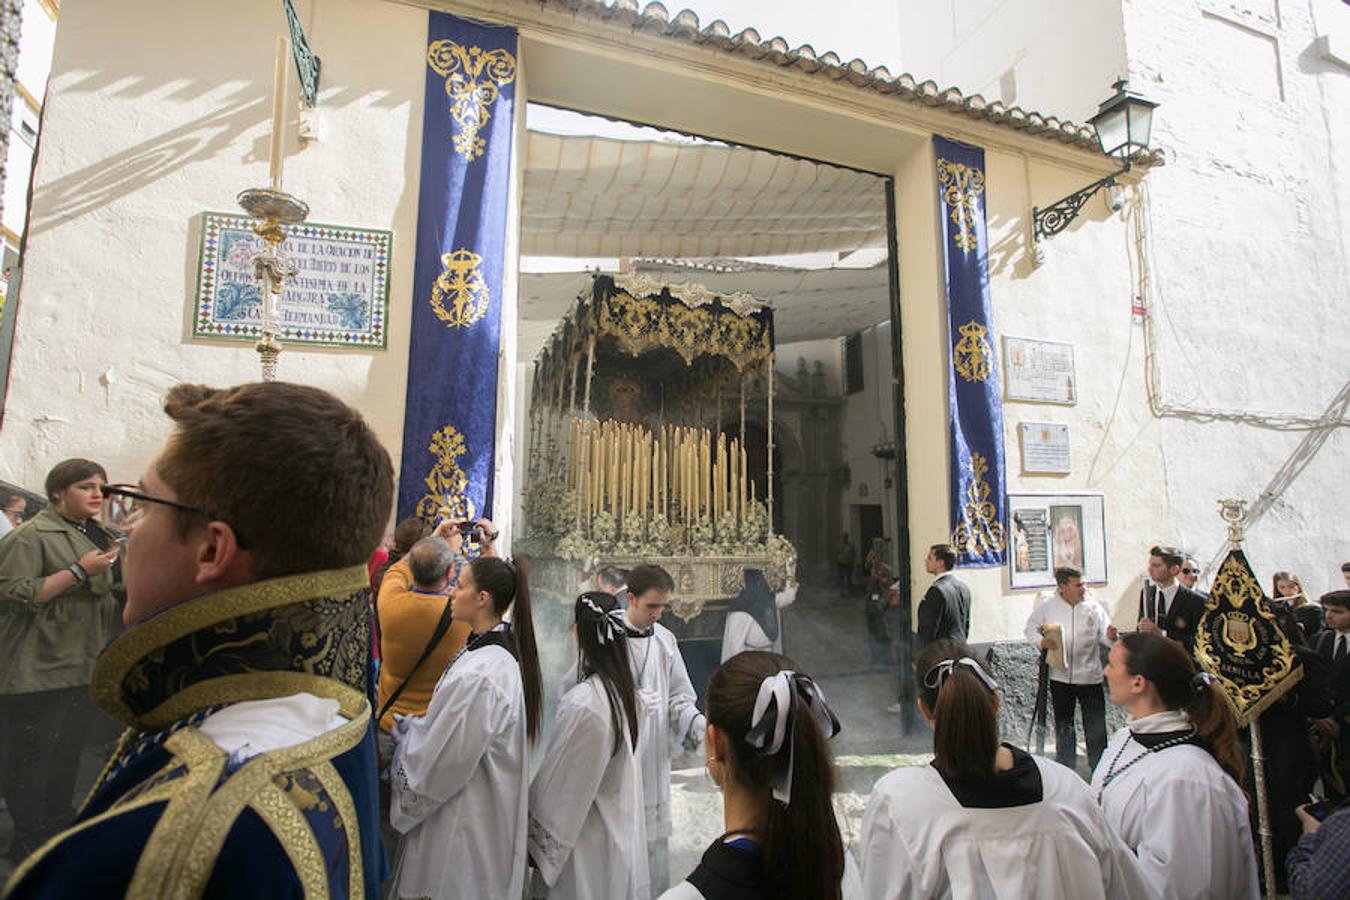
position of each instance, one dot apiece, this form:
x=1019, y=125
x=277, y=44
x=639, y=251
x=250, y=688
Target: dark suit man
x=1333, y=645
x=945, y=610
x=1166, y=605
x=943, y=613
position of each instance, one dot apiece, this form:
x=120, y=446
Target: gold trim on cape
x=216, y=609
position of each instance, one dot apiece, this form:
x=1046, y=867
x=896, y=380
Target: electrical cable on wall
x=1317, y=429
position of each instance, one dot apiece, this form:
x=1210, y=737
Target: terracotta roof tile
x=684, y=26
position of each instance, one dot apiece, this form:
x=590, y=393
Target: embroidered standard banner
x=979, y=501
x=450, y=418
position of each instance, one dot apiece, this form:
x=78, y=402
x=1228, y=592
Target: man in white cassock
x=587, y=837
x=668, y=715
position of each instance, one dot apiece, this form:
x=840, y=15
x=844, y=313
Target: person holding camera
x=397, y=578
x=57, y=612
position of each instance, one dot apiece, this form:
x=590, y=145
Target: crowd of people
x=229, y=623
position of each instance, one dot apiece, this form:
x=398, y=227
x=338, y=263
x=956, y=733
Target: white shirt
x=459, y=784
x=918, y=841
x=586, y=831
x=245, y=729
x=1169, y=594
x=1083, y=626
x=1180, y=813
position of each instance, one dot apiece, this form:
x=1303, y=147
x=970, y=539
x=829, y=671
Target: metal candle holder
x=273, y=211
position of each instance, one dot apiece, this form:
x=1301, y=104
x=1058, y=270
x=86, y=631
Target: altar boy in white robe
x=1170, y=780
x=459, y=780
x=586, y=835
x=667, y=712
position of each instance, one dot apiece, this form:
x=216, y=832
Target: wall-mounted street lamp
x=1123, y=123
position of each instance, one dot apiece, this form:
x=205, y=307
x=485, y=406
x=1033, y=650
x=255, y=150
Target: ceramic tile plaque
x=339, y=296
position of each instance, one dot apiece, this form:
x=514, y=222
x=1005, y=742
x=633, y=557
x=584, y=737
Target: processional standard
x=638, y=438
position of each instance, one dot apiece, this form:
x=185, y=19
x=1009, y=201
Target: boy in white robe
x=668, y=715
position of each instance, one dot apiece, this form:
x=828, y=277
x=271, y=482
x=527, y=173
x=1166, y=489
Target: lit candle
x=278, y=110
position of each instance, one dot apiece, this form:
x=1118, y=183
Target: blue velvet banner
x=450, y=418
x=978, y=498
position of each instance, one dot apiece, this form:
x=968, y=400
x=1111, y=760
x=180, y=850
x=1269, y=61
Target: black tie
x=1340, y=648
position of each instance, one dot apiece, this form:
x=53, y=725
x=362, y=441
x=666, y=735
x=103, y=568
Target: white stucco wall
x=1250, y=238
x=153, y=118
x=1059, y=57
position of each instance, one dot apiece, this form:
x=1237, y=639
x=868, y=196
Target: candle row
x=679, y=473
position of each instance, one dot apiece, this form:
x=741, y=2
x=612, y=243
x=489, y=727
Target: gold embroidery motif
x=980, y=532
x=961, y=188
x=971, y=355
x=287, y=822
x=325, y=603
x=446, y=482
x=159, y=794
x=188, y=853
x=460, y=296
x=346, y=808
x=1241, y=644
x=473, y=77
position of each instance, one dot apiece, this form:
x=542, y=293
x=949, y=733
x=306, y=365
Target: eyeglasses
x=138, y=501
x=1190, y=571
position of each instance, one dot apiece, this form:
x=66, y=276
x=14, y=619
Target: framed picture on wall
x=1053, y=530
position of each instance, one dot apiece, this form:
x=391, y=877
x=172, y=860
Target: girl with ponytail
x=586, y=835
x=459, y=780
x=1170, y=780
x=985, y=819
x=766, y=748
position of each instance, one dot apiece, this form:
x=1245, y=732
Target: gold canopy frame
x=638, y=473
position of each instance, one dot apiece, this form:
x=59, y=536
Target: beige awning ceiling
x=601, y=197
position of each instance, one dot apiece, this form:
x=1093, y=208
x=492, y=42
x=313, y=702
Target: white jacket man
x=1082, y=622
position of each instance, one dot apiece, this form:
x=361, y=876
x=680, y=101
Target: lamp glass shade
x=1141, y=124
x=1124, y=123
x=1113, y=126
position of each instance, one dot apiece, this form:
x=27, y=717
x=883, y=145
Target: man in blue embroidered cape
x=248, y=764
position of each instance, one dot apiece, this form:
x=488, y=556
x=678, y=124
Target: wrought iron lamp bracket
x=1052, y=219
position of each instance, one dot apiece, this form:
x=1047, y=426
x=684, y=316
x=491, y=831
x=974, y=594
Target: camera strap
x=441, y=628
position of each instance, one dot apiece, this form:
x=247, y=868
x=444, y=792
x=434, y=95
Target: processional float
x=637, y=450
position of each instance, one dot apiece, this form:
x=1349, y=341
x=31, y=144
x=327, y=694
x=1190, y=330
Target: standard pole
x=1263, y=809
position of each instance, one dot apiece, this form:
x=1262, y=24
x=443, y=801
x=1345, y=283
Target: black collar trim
x=1019, y=786
x=1153, y=739
x=728, y=872
x=499, y=636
